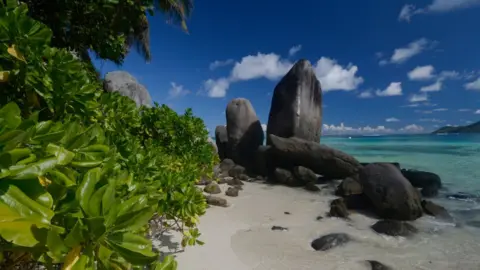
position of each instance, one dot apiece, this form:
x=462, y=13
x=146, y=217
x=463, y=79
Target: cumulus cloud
x=436, y=86
x=217, y=88
x=366, y=94
x=393, y=89
x=329, y=72
x=412, y=129
x=177, y=91
x=347, y=130
x=475, y=85
x=294, y=50
x=421, y=73
x=401, y=55
x=418, y=97
x=392, y=119
x=437, y=6
x=335, y=77
x=218, y=64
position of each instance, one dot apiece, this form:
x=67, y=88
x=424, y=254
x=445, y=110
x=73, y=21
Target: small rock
x=329, y=241
x=236, y=171
x=212, y=188
x=435, y=210
x=357, y=202
x=279, y=228
x=226, y=165
x=304, y=175
x=217, y=201
x=310, y=186
x=259, y=178
x=394, y=228
x=223, y=180
x=243, y=177
x=319, y=218
x=338, y=209
x=203, y=182
x=378, y=265
x=235, y=182
x=286, y=213
x=239, y=187
x=349, y=186
x=285, y=177
x=232, y=192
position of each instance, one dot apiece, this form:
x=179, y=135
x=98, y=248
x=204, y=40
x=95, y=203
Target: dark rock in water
x=429, y=192
x=304, y=175
x=330, y=241
x=391, y=194
x=221, y=139
x=279, y=228
x=375, y=265
x=126, y=85
x=226, y=165
x=329, y=162
x=435, y=210
x=463, y=196
x=212, y=188
x=349, y=186
x=285, y=177
x=425, y=180
x=236, y=171
x=311, y=186
x=296, y=109
x=245, y=133
x=357, y=202
x=396, y=164
x=261, y=160
x=243, y=177
x=217, y=201
x=338, y=209
x=232, y=192
x=394, y=228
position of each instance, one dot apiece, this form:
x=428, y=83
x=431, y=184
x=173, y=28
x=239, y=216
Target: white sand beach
x=239, y=237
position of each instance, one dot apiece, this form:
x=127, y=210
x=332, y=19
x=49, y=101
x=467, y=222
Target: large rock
x=305, y=175
x=261, y=160
x=435, y=210
x=221, y=139
x=392, y=195
x=285, y=177
x=125, y=84
x=296, y=109
x=394, y=228
x=321, y=159
x=245, y=133
x=429, y=182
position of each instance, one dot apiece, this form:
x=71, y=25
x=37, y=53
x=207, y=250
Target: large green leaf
x=134, y=220
x=168, y=263
x=133, y=248
x=33, y=170
x=64, y=156
x=87, y=188
x=9, y=117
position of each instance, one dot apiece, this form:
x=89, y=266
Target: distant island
x=472, y=128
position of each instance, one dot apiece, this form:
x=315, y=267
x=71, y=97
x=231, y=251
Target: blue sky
x=386, y=66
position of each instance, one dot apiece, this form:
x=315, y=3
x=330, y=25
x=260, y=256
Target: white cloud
x=421, y=73
x=418, y=97
x=218, y=64
x=294, y=50
x=477, y=112
x=424, y=112
x=436, y=86
x=217, y=88
x=440, y=110
x=412, y=128
x=449, y=74
x=268, y=66
x=343, y=129
x=394, y=89
x=333, y=76
x=464, y=110
x=401, y=55
x=437, y=6
x=475, y=85
x=264, y=127
x=366, y=94
x=392, y=119
x=177, y=91
x=383, y=62
x=433, y=120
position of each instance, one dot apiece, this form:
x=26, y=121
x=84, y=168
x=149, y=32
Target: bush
x=82, y=172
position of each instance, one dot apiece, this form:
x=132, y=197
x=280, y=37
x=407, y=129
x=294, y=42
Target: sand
x=240, y=237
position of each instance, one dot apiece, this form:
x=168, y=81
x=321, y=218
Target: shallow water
x=455, y=158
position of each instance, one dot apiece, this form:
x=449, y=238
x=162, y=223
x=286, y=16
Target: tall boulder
x=391, y=194
x=328, y=162
x=221, y=139
x=125, y=84
x=245, y=133
x=296, y=109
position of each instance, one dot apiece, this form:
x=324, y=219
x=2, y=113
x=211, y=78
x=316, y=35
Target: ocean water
x=454, y=157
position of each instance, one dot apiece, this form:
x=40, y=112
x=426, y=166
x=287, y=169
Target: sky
x=385, y=66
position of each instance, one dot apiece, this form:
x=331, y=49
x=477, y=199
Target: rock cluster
x=125, y=84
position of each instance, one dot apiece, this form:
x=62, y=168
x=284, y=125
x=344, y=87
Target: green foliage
x=83, y=172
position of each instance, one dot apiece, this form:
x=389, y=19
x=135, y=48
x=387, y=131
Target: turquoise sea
x=454, y=157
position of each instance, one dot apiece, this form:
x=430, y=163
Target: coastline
x=240, y=237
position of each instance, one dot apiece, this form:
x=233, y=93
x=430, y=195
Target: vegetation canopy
x=83, y=172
